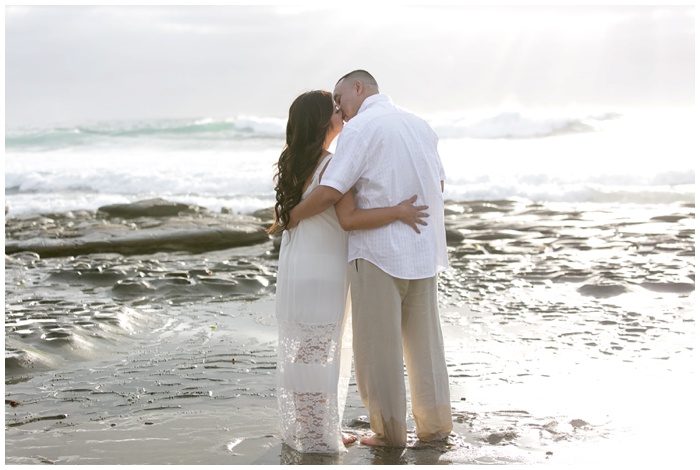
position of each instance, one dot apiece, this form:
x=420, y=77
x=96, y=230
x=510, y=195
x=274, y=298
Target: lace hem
x=310, y=421
x=307, y=392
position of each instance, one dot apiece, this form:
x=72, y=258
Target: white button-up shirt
x=388, y=154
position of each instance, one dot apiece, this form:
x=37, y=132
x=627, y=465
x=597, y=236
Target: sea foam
x=229, y=163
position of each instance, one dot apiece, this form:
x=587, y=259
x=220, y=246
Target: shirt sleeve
x=441, y=170
x=348, y=162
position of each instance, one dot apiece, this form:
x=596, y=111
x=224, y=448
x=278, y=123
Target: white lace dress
x=315, y=338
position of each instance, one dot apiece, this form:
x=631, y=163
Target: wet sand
x=569, y=334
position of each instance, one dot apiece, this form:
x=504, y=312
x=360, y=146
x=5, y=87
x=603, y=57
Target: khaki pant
x=395, y=320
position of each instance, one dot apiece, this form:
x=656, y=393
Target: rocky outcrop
x=143, y=227
x=149, y=208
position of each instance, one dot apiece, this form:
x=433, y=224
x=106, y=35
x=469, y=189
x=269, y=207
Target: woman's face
x=336, y=123
x=347, y=98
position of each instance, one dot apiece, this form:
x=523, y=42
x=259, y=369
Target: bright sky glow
x=95, y=62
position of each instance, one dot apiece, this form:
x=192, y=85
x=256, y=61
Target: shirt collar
x=371, y=100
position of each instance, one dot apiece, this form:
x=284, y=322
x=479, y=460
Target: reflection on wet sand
x=566, y=328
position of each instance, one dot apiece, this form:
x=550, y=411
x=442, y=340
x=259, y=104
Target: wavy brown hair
x=309, y=120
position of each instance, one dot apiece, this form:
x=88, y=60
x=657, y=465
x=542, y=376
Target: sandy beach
x=569, y=332
x=139, y=160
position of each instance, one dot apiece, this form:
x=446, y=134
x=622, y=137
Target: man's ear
x=359, y=87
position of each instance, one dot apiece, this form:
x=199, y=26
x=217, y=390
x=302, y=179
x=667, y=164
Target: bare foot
x=372, y=441
x=348, y=438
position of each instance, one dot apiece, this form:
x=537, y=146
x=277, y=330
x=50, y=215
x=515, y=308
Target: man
x=387, y=155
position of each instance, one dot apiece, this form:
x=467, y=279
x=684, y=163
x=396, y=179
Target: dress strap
x=317, y=175
x=322, y=166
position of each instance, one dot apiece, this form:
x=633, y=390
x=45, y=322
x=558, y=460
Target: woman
x=312, y=305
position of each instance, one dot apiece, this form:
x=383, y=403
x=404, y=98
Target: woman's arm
x=351, y=218
x=320, y=199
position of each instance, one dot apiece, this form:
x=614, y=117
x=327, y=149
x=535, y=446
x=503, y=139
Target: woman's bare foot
x=372, y=440
x=348, y=438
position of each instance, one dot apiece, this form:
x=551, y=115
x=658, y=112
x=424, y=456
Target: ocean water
x=569, y=330
x=573, y=156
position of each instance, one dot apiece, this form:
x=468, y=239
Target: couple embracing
x=358, y=260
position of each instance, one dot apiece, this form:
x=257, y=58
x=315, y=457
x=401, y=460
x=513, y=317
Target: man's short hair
x=362, y=75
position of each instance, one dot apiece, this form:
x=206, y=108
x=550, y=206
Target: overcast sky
x=73, y=63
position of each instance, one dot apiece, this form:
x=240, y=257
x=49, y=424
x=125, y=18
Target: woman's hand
x=412, y=215
x=352, y=218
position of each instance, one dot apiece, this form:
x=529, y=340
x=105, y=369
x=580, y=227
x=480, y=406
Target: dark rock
x=154, y=240
x=673, y=287
x=501, y=436
x=669, y=218
x=454, y=236
x=148, y=208
x=266, y=215
x=603, y=291
x=193, y=230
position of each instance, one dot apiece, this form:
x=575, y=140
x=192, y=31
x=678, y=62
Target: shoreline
x=179, y=399
x=569, y=335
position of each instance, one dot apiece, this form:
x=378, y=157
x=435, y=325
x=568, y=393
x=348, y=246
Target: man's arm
x=320, y=199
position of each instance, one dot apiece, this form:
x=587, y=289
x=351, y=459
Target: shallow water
x=569, y=334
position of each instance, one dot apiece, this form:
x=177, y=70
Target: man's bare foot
x=372, y=441
x=348, y=438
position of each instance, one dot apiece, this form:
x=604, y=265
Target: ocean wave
x=245, y=190
x=230, y=162
x=510, y=124
x=583, y=192
x=514, y=125
x=116, y=133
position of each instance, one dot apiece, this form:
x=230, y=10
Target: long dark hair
x=309, y=119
